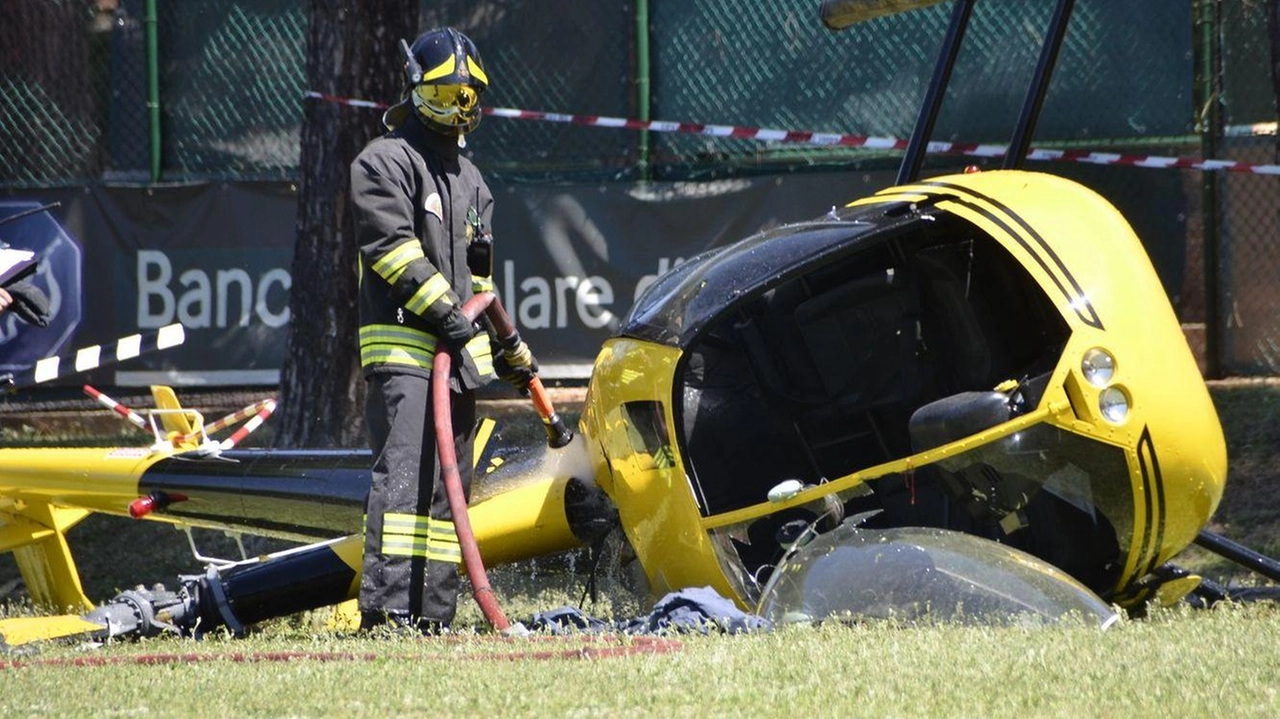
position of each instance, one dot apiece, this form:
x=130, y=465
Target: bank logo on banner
x=57, y=275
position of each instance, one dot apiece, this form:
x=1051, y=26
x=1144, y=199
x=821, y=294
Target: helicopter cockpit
x=988, y=353
x=867, y=338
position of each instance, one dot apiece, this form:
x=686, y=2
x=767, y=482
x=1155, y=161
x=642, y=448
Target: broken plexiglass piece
x=921, y=574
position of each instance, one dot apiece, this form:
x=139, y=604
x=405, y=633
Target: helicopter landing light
x=1114, y=404
x=1098, y=367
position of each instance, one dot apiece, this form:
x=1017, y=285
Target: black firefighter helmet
x=444, y=78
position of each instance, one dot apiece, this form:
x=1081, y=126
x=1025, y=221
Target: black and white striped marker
x=95, y=356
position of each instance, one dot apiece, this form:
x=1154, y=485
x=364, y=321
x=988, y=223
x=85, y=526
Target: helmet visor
x=448, y=104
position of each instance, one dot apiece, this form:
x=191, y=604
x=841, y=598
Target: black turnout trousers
x=410, y=550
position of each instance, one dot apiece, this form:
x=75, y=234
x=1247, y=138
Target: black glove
x=515, y=364
x=29, y=302
x=455, y=329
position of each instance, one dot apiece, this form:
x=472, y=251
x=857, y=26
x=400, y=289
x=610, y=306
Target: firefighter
x=422, y=213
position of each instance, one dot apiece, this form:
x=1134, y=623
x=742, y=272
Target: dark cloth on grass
x=693, y=610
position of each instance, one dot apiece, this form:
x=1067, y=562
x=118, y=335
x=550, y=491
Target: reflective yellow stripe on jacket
x=398, y=344
x=481, y=284
x=391, y=265
x=433, y=289
x=411, y=535
x=479, y=352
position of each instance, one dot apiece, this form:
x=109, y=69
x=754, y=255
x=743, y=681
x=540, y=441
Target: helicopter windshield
x=914, y=573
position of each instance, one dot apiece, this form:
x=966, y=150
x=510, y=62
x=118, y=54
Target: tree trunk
x=353, y=52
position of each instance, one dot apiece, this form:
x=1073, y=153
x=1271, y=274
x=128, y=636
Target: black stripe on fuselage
x=1151, y=477
x=1039, y=249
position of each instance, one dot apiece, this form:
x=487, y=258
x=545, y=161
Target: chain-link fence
x=1247, y=207
x=198, y=90
x=226, y=98
x=54, y=67
x=101, y=90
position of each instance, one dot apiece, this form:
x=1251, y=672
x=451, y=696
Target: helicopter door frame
x=931, y=104
x=1031, y=107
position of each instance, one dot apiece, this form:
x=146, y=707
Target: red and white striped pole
x=223, y=423
x=268, y=406
x=133, y=417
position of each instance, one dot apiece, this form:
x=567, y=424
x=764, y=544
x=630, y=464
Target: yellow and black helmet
x=444, y=78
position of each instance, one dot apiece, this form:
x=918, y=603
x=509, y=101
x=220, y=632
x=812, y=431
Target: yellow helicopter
x=982, y=364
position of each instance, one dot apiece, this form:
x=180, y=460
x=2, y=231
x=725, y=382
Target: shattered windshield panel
x=916, y=574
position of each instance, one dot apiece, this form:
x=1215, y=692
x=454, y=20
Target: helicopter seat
x=953, y=330
x=829, y=363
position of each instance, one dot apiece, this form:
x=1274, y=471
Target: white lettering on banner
x=543, y=303
x=199, y=304
x=277, y=276
x=593, y=295
x=241, y=278
x=157, y=287
x=537, y=300
x=193, y=305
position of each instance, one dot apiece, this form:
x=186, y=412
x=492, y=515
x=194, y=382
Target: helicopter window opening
x=968, y=274
x=743, y=446
x=984, y=319
x=1054, y=494
x=647, y=431
x=819, y=375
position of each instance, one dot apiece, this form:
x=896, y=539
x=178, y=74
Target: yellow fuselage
x=1086, y=259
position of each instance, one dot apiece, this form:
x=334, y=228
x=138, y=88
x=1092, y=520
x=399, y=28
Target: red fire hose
x=557, y=435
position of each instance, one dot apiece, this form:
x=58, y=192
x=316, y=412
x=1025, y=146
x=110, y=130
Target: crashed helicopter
x=964, y=386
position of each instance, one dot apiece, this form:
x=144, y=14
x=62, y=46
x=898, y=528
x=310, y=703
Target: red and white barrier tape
x=133, y=417
x=830, y=139
x=268, y=406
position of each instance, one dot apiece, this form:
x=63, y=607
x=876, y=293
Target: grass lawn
x=1178, y=662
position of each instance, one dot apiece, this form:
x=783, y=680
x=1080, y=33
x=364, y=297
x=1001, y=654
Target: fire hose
x=558, y=435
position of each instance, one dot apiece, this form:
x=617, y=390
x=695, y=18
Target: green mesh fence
x=562, y=56
x=54, y=113
x=1124, y=73
x=233, y=75
x=74, y=105
x=1249, y=205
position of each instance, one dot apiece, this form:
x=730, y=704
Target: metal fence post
x=643, y=90
x=153, y=87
